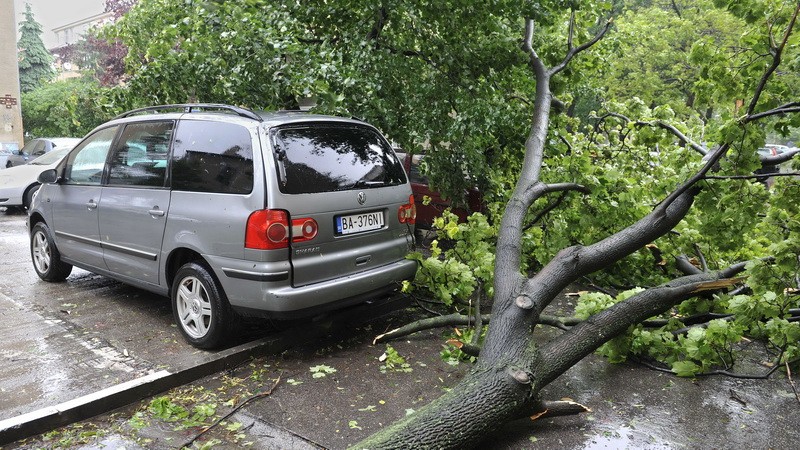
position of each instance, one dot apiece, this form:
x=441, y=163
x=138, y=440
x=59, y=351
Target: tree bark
x=462, y=417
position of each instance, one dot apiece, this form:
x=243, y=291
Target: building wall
x=10, y=112
x=57, y=14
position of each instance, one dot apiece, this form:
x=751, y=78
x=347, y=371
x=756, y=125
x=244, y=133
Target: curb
x=108, y=399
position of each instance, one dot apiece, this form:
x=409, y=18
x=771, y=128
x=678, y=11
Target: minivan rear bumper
x=279, y=299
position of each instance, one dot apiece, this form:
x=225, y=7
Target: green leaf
x=685, y=368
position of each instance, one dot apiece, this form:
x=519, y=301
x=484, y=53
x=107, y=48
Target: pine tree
x=35, y=62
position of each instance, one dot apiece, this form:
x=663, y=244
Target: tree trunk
x=461, y=418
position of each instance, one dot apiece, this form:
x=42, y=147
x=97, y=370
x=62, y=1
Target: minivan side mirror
x=48, y=176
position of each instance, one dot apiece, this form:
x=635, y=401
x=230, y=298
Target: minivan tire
x=200, y=307
x=45, y=256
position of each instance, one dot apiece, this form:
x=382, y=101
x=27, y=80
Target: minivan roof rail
x=194, y=107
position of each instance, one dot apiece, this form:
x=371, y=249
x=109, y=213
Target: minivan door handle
x=156, y=212
x=361, y=260
x=91, y=204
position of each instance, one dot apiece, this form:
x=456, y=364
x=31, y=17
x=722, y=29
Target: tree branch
x=188, y=443
x=466, y=347
x=663, y=125
x=563, y=187
x=449, y=320
x=773, y=160
x=455, y=319
x=546, y=210
x=712, y=161
x=476, y=335
x=375, y=33
x=726, y=373
x=573, y=262
x=685, y=266
x=581, y=340
x=527, y=47
x=699, y=252
x=777, y=52
x=781, y=110
x=791, y=381
x=676, y=9
x=575, y=50
x=548, y=409
x=752, y=177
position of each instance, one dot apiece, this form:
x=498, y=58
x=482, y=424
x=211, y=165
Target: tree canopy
x=35, y=62
x=70, y=107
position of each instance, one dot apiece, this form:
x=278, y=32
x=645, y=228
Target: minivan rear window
x=333, y=157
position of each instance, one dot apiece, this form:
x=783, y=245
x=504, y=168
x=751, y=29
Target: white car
x=18, y=184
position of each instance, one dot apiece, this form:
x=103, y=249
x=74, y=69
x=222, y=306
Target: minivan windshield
x=323, y=157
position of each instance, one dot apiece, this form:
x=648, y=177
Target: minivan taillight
x=268, y=229
x=408, y=212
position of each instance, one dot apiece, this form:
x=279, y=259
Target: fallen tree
x=508, y=376
x=445, y=77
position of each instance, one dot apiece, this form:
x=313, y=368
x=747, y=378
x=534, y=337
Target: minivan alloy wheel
x=194, y=307
x=200, y=307
x=41, y=251
x=45, y=256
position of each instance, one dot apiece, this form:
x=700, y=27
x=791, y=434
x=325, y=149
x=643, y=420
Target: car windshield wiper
x=365, y=183
x=281, y=154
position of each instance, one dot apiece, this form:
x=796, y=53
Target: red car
x=420, y=188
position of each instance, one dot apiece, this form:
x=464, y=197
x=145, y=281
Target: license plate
x=357, y=223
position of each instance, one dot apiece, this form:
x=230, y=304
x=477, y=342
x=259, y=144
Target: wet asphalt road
x=59, y=341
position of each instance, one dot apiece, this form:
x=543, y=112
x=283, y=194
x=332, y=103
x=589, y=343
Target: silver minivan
x=230, y=213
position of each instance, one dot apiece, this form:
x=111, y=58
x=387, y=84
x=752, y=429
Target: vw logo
x=362, y=198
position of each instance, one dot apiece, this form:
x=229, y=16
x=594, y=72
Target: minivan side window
x=85, y=164
x=212, y=157
x=140, y=155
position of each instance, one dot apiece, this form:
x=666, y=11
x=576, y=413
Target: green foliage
x=591, y=303
x=444, y=77
x=246, y=53
x=393, y=362
x=673, y=65
x=73, y=435
x=785, y=336
x=321, y=371
x=138, y=421
x=688, y=75
x=71, y=107
x=35, y=62
x=699, y=349
x=465, y=267
x=451, y=352
x=164, y=408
